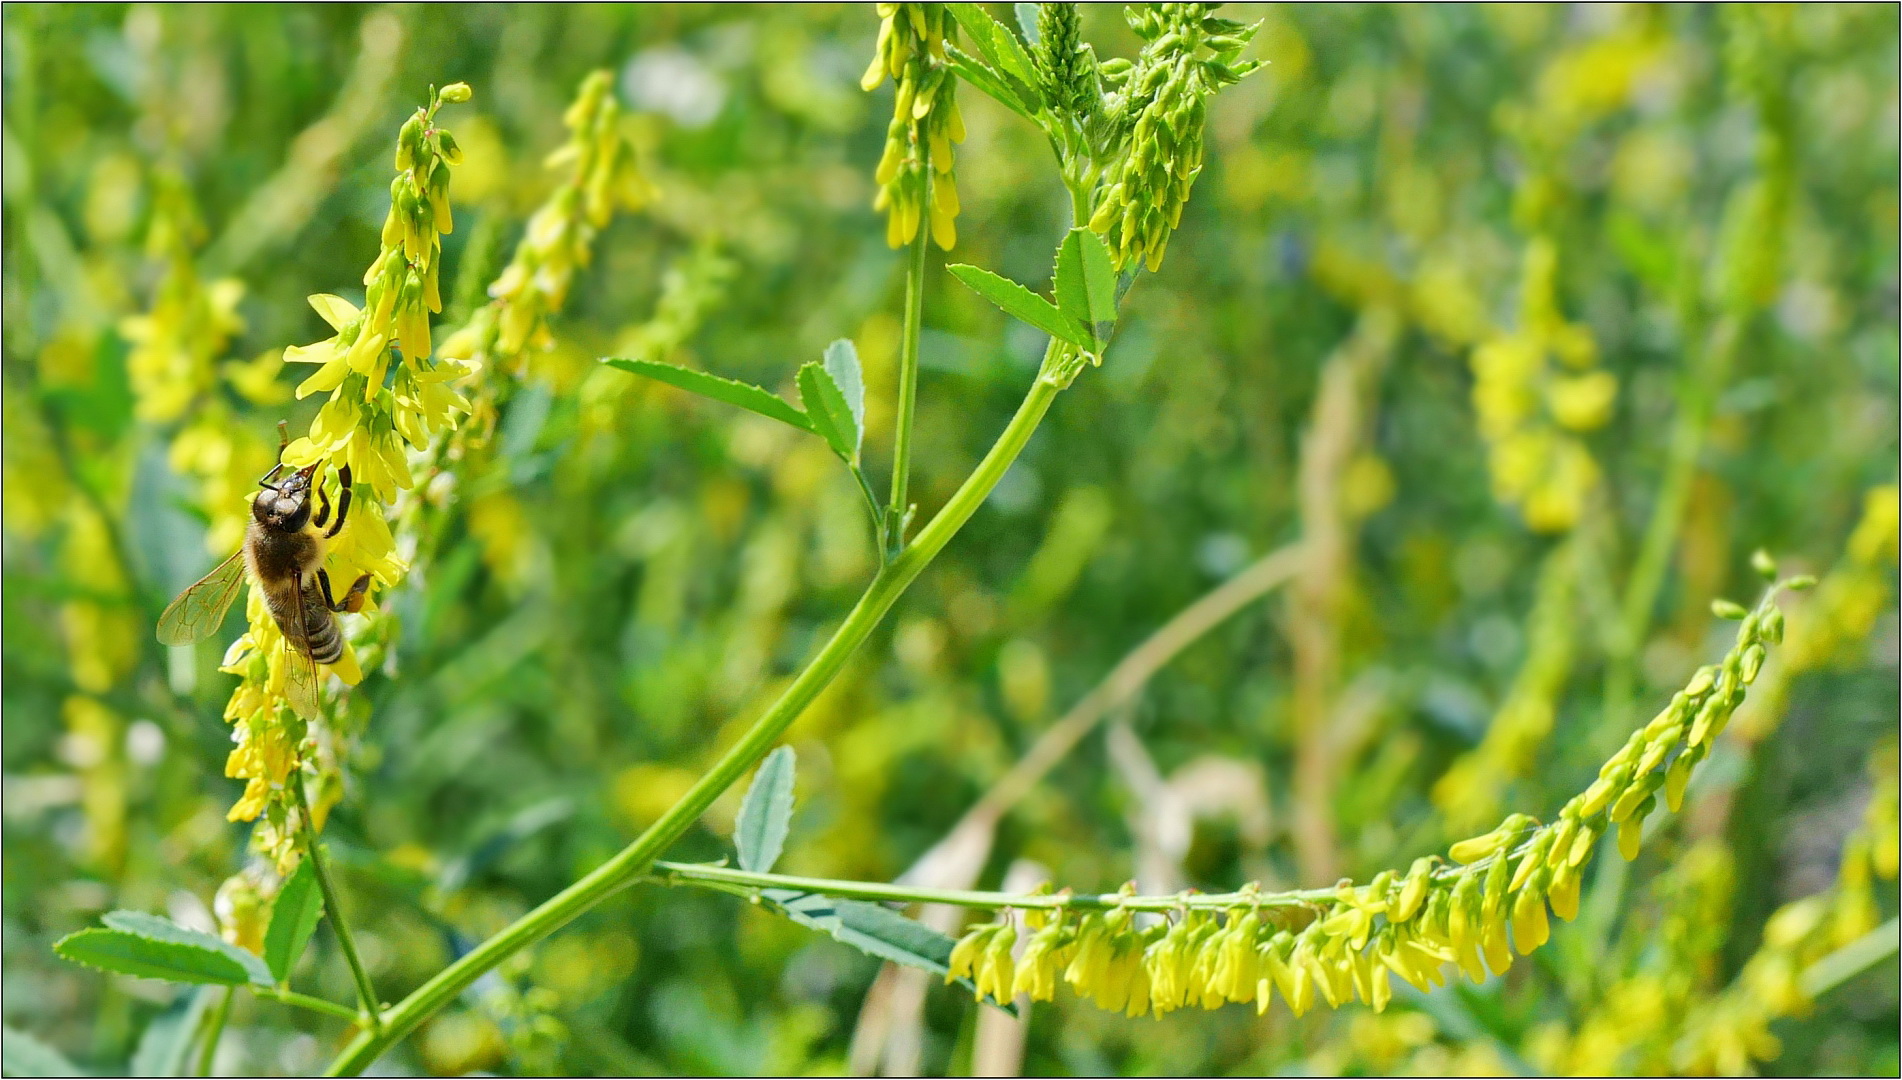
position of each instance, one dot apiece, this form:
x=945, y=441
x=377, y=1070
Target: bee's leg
x=352, y=600
x=343, y=502
x=323, y=508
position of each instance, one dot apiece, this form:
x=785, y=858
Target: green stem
x=743, y=882
x=304, y=1001
x=899, y=511
x=633, y=861
x=214, y=1030
x=366, y=993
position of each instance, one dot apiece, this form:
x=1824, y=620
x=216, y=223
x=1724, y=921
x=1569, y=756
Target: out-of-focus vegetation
x=1527, y=324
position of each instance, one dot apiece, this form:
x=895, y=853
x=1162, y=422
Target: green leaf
x=830, y=413
x=731, y=391
x=1026, y=20
x=293, y=918
x=23, y=1055
x=972, y=70
x=1023, y=304
x=167, y=1040
x=1086, y=284
x=842, y=363
x=134, y=954
x=1000, y=49
x=873, y=929
x=766, y=812
x=159, y=928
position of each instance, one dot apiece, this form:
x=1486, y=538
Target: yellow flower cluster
x=384, y=392
x=1531, y=411
x=914, y=175
x=602, y=176
x=1346, y=944
x=1723, y=1036
x=1469, y=793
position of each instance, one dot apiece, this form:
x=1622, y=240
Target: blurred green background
x=1488, y=302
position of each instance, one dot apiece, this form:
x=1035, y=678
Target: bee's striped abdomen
x=321, y=632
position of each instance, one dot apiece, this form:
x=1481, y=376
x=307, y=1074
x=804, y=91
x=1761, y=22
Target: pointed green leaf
x=1023, y=304
x=972, y=70
x=842, y=363
x=1027, y=21
x=167, y=1040
x=830, y=413
x=875, y=930
x=1086, y=284
x=293, y=918
x=766, y=812
x=23, y=1055
x=1000, y=49
x=159, y=928
x=733, y=392
x=130, y=954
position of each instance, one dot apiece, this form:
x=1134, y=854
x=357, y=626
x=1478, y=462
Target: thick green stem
x=366, y=993
x=214, y=1031
x=899, y=511
x=634, y=861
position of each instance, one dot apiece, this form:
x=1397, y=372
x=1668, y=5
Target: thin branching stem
x=366, y=992
x=214, y=1031
x=728, y=879
x=897, y=514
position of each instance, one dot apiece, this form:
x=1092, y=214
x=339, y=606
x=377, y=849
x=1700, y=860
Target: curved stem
x=635, y=860
x=214, y=1030
x=366, y=993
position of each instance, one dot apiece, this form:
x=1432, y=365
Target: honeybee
x=283, y=551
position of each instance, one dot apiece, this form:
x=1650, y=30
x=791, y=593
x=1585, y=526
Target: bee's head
x=285, y=507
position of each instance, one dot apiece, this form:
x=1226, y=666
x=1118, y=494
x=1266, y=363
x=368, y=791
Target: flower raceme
x=1339, y=945
x=560, y=236
x=1156, y=110
x=915, y=172
x=384, y=392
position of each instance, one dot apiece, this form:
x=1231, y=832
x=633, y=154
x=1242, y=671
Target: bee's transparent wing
x=198, y=611
x=300, y=671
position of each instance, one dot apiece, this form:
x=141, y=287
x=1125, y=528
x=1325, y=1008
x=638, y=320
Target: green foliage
x=745, y=395
x=766, y=812
x=23, y=1055
x=135, y=943
x=1641, y=256
x=294, y=916
x=1021, y=303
